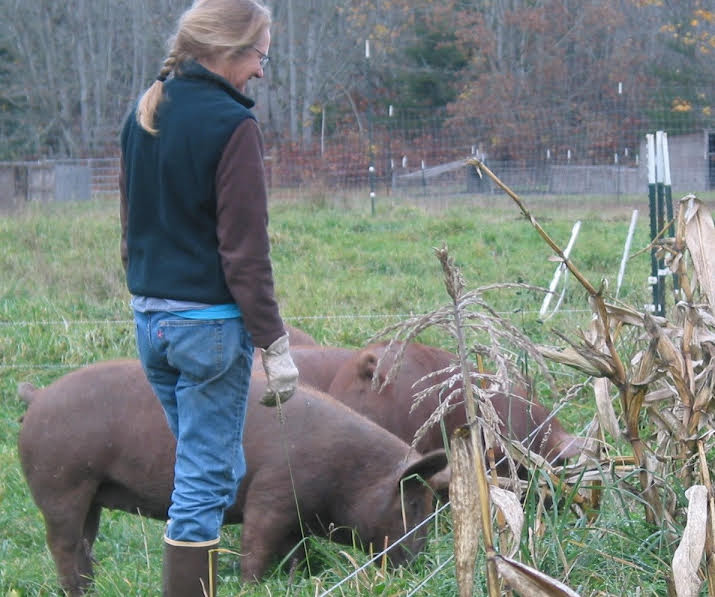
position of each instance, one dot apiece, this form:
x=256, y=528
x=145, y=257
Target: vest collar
x=193, y=70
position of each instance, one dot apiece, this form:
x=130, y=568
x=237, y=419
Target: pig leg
x=89, y=534
x=74, y=567
x=266, y=535
x=67, y=526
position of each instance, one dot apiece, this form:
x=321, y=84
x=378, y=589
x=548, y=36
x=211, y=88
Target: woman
x=196, y=253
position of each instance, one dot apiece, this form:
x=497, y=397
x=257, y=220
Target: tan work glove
x=281, y=372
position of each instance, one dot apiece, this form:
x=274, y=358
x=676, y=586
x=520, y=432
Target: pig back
x=391, y=407
x=313, y=445
x=521, y=418
x=317, y=365
x=99, y=425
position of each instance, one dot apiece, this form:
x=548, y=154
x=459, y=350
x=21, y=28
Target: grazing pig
x=521, y=419
x=97, y=438
x=298, y=337
x=317, y=365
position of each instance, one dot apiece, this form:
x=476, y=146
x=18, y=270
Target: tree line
x=524, y=73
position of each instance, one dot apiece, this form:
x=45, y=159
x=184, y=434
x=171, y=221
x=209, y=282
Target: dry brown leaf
x=700, y=240
x=668, y=421
x=703, y=398
x=624, y=315
x=528, y=581
x=645, y=371
x=606, y=414
x=671, y=355
x=659, y=395
x=464, y=496
x=591, y=444
x=568, y=356
x=510, y=506
x=687, y=557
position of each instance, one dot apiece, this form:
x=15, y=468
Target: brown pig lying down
x=521, y=418
x=97, y=438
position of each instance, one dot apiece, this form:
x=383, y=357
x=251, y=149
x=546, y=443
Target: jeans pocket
x=194, y=346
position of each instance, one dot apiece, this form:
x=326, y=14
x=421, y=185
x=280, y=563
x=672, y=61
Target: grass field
x=342, y=274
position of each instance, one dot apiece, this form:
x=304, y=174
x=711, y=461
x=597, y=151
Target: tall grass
x=342, y=275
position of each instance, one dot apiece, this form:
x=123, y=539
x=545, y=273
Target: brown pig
x=298, y=337
x=97, y=438
x=317, y=365
x=521, y=418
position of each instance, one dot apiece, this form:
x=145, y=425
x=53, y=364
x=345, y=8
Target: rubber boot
x=189, y=568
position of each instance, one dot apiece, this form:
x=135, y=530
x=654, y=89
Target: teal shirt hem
x=228, y=311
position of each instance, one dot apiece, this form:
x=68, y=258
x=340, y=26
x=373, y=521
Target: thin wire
x=430, y=576
x=68, y=322
x=384, y=551
x=43, y=366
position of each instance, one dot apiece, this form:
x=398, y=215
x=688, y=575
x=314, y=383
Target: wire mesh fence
x=428, y=152
x=557, y=150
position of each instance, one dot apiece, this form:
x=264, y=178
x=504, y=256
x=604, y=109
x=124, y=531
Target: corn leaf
x=700, y=240
x=687, y=557
x=530, y=582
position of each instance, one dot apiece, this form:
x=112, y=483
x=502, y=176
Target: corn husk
x=687, y=557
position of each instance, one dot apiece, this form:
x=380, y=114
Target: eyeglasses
x=264, y=58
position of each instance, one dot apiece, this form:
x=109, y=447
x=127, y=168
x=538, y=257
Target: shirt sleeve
x=242, y=231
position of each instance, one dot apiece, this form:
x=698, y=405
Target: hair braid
x=149, y=102
x=167, y=67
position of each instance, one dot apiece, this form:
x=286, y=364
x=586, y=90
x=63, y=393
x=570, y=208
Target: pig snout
x=400, y=527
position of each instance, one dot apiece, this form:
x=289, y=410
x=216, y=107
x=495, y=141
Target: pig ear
x=440, y=481
x=367, y=365
x=428, y=466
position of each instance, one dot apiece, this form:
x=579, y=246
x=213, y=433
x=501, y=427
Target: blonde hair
x=209, y=29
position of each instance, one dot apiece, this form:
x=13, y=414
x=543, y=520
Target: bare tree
x=69, y=71
x=76, y=67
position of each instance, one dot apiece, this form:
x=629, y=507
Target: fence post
x=371, y=167
x=660, y=198
x=669, y=204
x=561, y=268
x=653, y=279
x=626, y=250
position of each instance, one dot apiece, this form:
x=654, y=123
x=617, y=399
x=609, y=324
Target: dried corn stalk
x=687, y=557
x=463, y=495
x=667, y=388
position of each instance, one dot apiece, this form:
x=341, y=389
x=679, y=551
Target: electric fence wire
x=379, y=555
x=67, y=322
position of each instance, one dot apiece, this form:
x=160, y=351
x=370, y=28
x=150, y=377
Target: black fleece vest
x=170, y=185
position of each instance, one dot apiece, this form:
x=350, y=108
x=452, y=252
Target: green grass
x=342, y=275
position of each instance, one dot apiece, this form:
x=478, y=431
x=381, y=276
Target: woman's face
x=247, y=64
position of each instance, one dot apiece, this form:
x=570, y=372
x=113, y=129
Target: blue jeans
x=200, y=370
